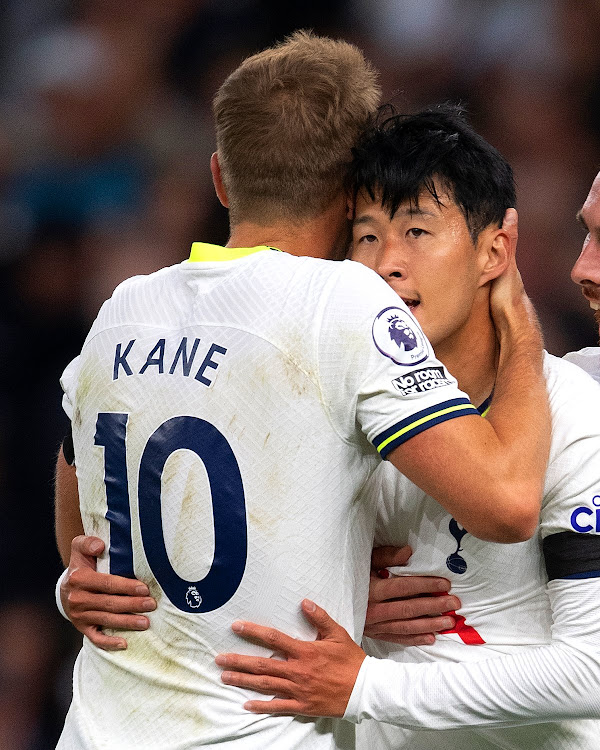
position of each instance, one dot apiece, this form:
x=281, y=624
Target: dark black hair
x=400, y=156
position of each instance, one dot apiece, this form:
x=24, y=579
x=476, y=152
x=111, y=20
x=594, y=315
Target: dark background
x=105, y=137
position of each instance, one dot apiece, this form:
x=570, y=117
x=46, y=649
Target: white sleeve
x=540, y=684
x=68, y=382
x=59, y=604
x=376, y=368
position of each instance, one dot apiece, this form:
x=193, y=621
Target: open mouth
x=592, y=295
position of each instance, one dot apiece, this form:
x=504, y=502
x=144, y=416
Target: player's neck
x=326, y=236
x=471, y=354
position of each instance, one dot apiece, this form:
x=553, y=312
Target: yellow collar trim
x=202, y=252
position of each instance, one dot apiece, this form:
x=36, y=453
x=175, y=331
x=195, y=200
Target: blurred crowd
x=105, y=138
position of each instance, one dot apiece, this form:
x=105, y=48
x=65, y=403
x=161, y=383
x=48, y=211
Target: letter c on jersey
x=575, y=515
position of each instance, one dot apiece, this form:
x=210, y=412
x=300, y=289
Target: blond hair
x=286, y=120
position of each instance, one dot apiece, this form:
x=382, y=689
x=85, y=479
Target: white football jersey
x=225, y=415
x=588, y=359
x=502, y=588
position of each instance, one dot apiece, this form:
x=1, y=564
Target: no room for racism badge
x=397, y=335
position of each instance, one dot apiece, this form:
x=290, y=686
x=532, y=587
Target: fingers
x=269, y=637
x=409, y=628
x=257, y=665
x=103, y=641
x=275, y=706
x=510, y=224
x=80, y=601
x=398, y=587
x=411, y=609
x=387, y=557
x=90, y=546
x=108, y=620
x=259, y=683
x=105, y=583
x=426, y=639
x=326, y=625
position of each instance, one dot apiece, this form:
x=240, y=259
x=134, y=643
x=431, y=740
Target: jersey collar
x=203, y=252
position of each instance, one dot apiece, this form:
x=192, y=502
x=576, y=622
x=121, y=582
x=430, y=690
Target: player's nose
x=586, y=270
x=391, y=264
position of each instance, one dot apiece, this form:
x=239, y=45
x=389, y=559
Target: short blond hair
x=286, y=120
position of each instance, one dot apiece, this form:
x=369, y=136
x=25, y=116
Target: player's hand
x=508, y=297
x=316, y=679
x=93, y=600
x=510, y=224
x=408, y=610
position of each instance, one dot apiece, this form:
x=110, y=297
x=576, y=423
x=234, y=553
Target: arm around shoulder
x=489, y=473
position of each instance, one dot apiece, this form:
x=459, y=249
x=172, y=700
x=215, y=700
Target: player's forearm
x=520, y=412
x=549, y=683
x=68, y=523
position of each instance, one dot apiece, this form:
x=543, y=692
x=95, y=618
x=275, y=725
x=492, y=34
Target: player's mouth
x=410, y=303
x=592, y=295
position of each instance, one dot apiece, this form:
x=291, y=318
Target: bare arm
x=68, y=523
x=539, y=684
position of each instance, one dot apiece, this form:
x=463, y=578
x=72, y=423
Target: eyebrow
x=367, y=218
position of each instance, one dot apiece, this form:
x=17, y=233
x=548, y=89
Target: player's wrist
x=519, y=333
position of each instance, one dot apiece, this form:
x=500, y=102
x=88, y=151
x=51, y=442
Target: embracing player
x=430, y=194
x=227, y=411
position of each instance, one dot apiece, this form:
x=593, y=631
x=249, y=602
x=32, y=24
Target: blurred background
x=105, y=138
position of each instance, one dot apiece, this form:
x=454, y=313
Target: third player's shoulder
x=567, y=380
x=574, y=402
x=587, y=359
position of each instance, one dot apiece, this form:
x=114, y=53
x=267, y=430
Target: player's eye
x=416, y=232
x=368, y=239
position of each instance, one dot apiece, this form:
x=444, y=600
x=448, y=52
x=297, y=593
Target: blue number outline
x=228, y=501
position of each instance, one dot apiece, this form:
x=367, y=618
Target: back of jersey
x=208, y=462
x=224, y=420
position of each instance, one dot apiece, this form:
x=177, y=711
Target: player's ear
x=495, y=252
x=215, y=169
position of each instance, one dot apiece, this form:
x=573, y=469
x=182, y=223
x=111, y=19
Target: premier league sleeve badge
x=397, y=336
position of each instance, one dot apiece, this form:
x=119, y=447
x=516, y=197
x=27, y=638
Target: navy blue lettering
x=575, y=522
x=226, y=492
x=159, y=361
x=208, y=362
x=229, y=513
x=110, y=434
x=186, y=362
x=121, y=360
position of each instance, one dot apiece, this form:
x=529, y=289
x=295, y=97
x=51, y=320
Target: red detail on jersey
x=466, y=633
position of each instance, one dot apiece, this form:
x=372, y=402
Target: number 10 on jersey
x=228, y=503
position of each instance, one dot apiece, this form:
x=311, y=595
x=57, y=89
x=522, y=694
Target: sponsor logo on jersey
x=421, y=381
x=397, y=335
x=585, y=519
